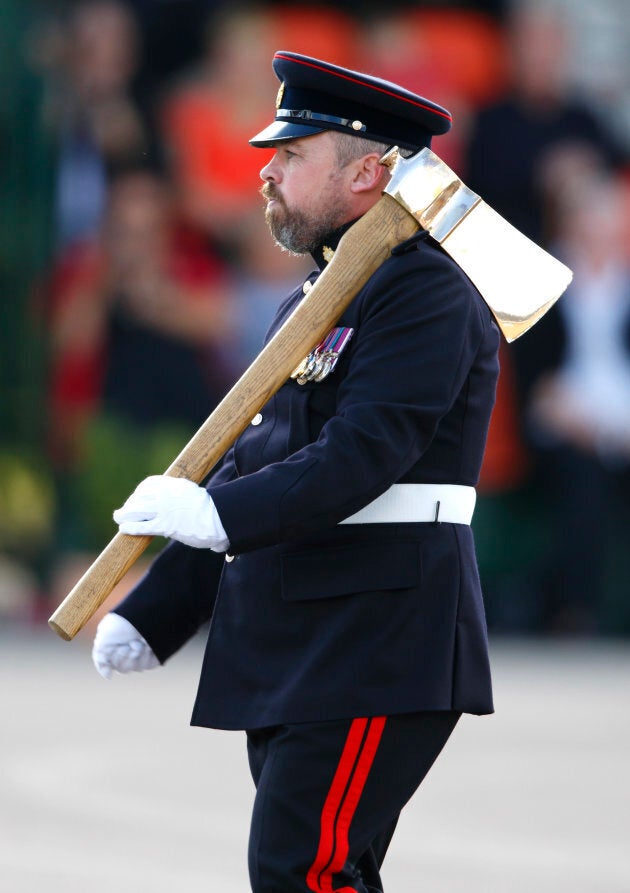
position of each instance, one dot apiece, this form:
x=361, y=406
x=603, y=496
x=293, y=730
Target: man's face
x=307, y=193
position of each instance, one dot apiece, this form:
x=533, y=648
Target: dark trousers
x=328, y=797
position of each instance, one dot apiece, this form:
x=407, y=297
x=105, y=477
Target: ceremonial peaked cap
x=316, y=96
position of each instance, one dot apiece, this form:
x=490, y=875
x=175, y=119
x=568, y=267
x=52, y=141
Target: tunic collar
x=324, y=252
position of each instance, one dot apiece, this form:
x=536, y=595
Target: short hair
x=350, y=147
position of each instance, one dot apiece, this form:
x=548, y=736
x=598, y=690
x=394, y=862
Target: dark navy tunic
x=311, y=620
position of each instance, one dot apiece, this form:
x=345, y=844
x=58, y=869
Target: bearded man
x=331, y=549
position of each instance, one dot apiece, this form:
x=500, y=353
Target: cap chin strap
x=308, y=115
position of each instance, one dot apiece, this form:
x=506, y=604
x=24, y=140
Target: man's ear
x=369, y=174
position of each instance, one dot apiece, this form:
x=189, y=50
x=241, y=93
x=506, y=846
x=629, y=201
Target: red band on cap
x=346, y=77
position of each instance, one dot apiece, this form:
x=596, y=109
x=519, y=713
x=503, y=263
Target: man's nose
x=271, y=171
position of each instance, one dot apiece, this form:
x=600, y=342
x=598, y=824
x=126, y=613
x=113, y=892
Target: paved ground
x=104, y=787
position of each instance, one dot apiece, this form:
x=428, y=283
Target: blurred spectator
x=90, y=61
x=514, y=138
x=169, y=310
x=209, y=116
x=140, y=322
x=578, y=417
x=527, y=149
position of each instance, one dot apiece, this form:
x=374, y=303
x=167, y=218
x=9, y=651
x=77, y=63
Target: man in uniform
x=331, y=549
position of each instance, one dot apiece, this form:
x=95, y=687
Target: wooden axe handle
x=366, y=245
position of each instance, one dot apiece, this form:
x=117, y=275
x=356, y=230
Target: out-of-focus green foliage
x=26, y=504
x=117, y=457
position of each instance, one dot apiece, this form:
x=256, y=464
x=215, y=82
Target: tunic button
x=229, y=557
x=257, y=419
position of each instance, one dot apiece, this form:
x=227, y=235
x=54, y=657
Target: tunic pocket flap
x=350, y=569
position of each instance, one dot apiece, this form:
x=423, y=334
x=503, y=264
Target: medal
x=322, y=360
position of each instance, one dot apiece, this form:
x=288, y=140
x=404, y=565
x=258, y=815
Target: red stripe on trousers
x=341, y=803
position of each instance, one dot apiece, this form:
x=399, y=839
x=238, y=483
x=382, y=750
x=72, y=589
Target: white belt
x=413, y=503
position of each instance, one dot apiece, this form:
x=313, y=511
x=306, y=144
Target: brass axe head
x=518, y=280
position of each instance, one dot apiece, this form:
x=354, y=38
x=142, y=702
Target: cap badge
x=322, y=360
x=357, y=125
x=280, y=95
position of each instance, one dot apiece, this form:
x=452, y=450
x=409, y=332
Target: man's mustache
x=269, y=191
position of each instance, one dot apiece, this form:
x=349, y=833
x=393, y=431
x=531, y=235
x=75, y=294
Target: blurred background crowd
x=138, y=277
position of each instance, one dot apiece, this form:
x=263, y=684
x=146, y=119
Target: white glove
x=119, y=646
x=176, y=508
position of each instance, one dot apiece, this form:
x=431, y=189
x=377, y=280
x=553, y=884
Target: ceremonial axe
x=517, y=279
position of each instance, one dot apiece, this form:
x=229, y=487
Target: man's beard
x=297, y=231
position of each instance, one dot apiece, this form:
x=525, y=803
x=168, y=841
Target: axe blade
x=518, y=280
